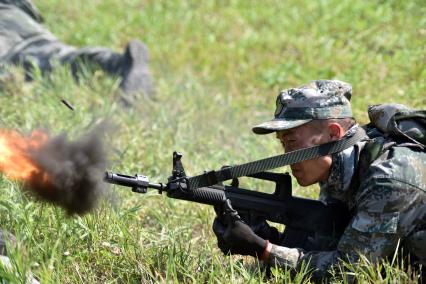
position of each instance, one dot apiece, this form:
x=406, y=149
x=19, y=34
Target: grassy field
x=217, y=67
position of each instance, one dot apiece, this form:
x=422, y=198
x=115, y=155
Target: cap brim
x=277, y=125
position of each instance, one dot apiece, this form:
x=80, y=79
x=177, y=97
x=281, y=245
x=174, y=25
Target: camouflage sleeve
x=284, y=256
x=388, y=210
x=298, y=259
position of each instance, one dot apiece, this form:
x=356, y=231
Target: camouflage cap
x=320, y=99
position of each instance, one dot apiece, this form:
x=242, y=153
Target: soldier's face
x=307, y=135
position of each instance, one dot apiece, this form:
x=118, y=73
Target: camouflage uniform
x=23, y=40
x=387, y=195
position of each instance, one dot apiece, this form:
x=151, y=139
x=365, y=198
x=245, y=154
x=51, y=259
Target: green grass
x=217, y=66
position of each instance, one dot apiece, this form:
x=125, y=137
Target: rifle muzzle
x=138, y=183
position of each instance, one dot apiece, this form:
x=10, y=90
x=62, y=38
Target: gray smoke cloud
x=75, y=169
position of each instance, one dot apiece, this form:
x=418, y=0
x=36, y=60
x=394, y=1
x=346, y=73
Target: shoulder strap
x=215, y=177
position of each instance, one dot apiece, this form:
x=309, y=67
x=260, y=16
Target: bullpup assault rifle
x=280, y=207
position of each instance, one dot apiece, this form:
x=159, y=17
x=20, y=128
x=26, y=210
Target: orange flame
x=15, y=160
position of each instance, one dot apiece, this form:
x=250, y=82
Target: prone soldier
x=25, y=41
x=385, y=190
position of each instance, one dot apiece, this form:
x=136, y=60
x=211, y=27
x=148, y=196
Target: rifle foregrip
x=205, y=195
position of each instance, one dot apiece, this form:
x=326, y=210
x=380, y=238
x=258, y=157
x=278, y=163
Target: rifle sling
x=214, y=177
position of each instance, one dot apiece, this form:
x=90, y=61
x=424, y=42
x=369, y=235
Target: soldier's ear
x=335, y=131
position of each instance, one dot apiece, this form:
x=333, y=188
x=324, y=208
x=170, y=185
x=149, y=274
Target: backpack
x=390, y=125
x=399, y=123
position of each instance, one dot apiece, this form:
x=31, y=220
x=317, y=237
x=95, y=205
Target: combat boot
x=134, y=70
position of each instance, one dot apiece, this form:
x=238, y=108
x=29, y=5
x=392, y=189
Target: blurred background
x=217, y=67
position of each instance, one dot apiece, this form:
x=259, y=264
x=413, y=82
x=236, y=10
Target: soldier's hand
x=257, y=223
x=234, y=236
x=261, y=228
